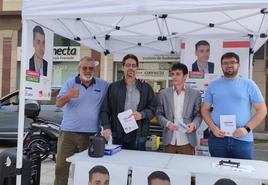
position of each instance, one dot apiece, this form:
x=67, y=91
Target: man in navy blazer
x=202, y=52
x=36, y=62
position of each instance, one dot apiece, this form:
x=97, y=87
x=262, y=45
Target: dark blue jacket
x=32, y=66
x=210, y=67
x=114, y=103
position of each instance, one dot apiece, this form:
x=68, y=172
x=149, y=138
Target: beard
x=86, y=77
x=130, y=73
x=230, y=73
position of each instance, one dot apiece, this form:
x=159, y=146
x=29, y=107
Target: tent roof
x=149, y=26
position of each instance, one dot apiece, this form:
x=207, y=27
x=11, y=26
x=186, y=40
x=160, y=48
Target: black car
x=9, y=106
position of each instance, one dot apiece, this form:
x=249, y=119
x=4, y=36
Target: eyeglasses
x=84, y=68
x=131, y=65
x=229, y=63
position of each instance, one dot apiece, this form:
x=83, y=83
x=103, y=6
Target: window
x=62, y=41
x=62, y=71
x=260, y=53
x=12, y=99
x=19, y=36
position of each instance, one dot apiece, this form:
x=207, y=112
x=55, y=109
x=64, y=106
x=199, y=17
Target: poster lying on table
x=209, y=179
x=39, y=64
x=144, y=176
x=88, y=173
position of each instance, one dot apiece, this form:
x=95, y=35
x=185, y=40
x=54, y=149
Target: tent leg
x=105, y=75
x=250, y=67
x=22, y=100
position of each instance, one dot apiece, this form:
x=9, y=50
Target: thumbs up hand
x=74, y=92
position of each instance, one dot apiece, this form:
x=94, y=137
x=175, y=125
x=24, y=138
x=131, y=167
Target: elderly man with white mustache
x=81, y=98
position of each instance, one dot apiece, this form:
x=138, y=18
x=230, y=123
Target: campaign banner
x=208, y=179
x=144, y=176
x=89, y=173
x=202, y=57
x=39, y=63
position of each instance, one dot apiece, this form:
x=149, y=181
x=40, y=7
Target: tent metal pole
x=250, y=65
x=21, y=101
x=105, y=68
x=251, y=41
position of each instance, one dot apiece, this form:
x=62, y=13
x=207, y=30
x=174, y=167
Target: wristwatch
x=247, y=128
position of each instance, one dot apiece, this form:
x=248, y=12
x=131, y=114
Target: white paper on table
x=128, y=122
x=182, y=126
x=228, y=124
x=241, y=168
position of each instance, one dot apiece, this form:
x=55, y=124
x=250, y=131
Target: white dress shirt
x=179, y=138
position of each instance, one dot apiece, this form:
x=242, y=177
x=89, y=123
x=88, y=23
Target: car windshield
x=13, y=100
x=9, y=109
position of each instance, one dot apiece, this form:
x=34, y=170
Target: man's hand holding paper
x=107, y=133
x=137, y=115
x=127, y=121
x=182, y=126
x=191, y=127
x=228, y=124
x=240, y=132
x=172, y=126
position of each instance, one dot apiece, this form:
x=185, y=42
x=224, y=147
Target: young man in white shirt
x=179, y=104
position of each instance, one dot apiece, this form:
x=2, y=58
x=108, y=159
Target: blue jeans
x=229, y=147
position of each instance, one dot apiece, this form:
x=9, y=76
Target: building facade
x=67, y=54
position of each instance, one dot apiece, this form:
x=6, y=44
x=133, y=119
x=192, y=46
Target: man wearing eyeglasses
x=81, y=98
x=231, y=121
x=125, y=94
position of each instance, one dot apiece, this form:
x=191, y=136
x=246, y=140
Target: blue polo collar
x=78, y=81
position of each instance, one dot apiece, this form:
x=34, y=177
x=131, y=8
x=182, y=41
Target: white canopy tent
x=144, y=26
x=147, y=26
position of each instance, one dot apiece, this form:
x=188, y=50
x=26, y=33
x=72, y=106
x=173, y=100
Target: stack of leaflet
x=202, y=149
x=112, y=149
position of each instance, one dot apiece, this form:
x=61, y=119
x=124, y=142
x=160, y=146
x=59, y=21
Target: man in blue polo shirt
x=81, y=98
x=232, y=97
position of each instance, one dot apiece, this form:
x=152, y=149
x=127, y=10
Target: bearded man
x=231, y=122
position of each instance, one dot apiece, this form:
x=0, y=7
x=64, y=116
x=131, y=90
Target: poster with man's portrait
x=158, y=176
x=87, y=173
x=208, y=179
x=202, y=56
x=39, y=62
